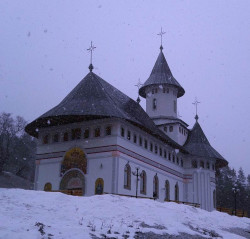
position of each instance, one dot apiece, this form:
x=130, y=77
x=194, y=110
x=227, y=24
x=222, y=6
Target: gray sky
x=43, y=56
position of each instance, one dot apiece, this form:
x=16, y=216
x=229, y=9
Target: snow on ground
x=36, y=214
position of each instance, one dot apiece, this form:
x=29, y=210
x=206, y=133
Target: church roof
x=161, y=74
x=94, y=98
x=198, y=144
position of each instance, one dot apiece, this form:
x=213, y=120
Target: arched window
x=99, y=185
x=156, y=187
x=46, y=139
x=202, y=164
x=154, y=104
x=47, y=187
x=127, y=177
x=74, y=158
x=65, y=136
x=214, y=198
x=143, y=181
x=194, y=164
x=176, y=192
x=167, y=191
x=208, y=165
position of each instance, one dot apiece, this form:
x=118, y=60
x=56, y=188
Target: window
x=160, y=151
x=208, y=165
x=48, y=187
x=165, y=128
x=97, y=132
x=56, y=138
x=175, y=106
x=180, y=129
x=145, y=144
x=66, y=136
x=173, y=157
x=46, y=139
x=156, y=187
x=140, y=141
x=213, y=167
x=76, y=133
x=127, y=177
x=154, y=104
x=194, y=164
x=156, y=149
x=86, y=134
x=176, y=194
x=151, y=147
x=202, y=164
x=169, y=156
x=143, y=185
x=167, y=190
x=181, y=163
x=128, y=135
x=122, y=132
x=165, y=154
x=135, y=138
x=171, y=128
x=108, y=130
x=99, y=185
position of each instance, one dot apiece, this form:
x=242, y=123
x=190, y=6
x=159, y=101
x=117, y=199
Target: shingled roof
x=197, y=144
x=161, y=74
x=94, y=98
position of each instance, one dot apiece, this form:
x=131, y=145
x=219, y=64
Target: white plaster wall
x=150, y=172
x=165, y=101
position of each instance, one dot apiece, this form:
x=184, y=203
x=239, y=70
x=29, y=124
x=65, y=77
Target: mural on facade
x=74, y=158
x=99, y=185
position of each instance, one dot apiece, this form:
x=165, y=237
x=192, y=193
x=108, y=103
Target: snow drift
x=36, y=214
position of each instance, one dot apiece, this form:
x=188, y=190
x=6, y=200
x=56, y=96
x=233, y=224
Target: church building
x=98, y=140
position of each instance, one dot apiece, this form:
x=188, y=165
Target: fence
x=230, y=211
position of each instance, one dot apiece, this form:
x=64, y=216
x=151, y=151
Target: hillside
x=35, y=214
x=10, y=180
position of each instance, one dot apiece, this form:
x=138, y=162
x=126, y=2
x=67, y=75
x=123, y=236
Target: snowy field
x=28, y=214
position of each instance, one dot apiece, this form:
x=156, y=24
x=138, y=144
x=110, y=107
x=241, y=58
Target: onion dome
x=94, y=98
x=197, y=144
x=161, y=75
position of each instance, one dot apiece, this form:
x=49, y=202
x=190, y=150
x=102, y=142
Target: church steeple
x=161, y=75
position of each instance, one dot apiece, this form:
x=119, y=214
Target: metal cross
x=196, y=102
x=161, y=34
x=139, y=84
x=91, y=49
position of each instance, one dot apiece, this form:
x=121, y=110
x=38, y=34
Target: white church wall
x=150, y=173
x=165, y=105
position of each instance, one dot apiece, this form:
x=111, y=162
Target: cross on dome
x=196, y=102
x=161, y=34
x=91, y=49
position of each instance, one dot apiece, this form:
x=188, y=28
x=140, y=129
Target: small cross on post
x=161, y=34
x=196, y=102
x=138, y=85
x=91, y=49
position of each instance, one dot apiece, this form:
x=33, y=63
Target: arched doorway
x=99, y=186
x=73, y=183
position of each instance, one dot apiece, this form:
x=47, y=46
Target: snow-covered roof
x=94, y=98
x=197, y=144
x=161, y=75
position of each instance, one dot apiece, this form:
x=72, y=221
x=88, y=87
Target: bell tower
x=161, y=91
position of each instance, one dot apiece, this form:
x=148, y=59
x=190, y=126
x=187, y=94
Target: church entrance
x=73, y=183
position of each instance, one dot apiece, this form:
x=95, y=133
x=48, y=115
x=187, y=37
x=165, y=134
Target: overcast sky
x=43, y=57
